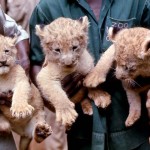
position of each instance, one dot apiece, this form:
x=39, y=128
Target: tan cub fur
x=131, y=52
x=64, y=43
x=26, y=115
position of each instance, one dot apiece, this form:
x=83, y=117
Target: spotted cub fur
x=131, y=52
x=26, y=115
x=64, y=42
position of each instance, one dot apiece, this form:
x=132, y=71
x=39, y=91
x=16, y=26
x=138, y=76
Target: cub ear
x=146, y=45
x=85, y=23
x=112, y=32
x=40, y=30
x=145, y=48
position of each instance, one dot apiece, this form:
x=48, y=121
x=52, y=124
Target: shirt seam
x=42, y=13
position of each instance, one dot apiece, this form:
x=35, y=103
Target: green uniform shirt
x=108, y=126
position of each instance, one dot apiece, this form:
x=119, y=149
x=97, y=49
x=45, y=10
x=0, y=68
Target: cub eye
x=132, y=68
x=74, y=48
x=125, y=68
x=6, y=51
x=57, y=50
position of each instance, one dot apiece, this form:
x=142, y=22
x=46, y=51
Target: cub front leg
x=134, y=101
x=22, y=93
x=99, y=73
x=50, y=87
x=36, y=129
x=41, y=129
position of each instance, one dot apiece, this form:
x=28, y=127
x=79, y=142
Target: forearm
x=23, y=49
x=23, y=54
x=34, y=70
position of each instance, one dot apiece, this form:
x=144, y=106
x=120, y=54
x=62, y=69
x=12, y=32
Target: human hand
x=72, y=83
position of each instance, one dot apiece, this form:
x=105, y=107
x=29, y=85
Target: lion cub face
x=7, y=54
x=132, y=53
x=64, y=40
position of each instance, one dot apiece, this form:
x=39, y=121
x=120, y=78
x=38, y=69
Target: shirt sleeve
x=36, y=53
x=11, y=28
x=145, y=20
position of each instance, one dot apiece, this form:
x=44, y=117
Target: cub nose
x=122, y=78
x=68, y=62
x=3, y=62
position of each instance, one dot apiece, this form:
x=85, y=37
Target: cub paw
x=21, y=111
x=132, y=118
x=93, y=79
x=66, y=114
x=101, y=98
x=87, y=107
x=42, y=131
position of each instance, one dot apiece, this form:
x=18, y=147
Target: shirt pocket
x=112, y=22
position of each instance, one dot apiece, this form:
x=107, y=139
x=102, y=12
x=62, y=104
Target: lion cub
x=26, y=115
x=64, y=42
x=131, y=52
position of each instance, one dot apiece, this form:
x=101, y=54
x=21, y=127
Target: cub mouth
x=4, y=65
x=69, y=66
